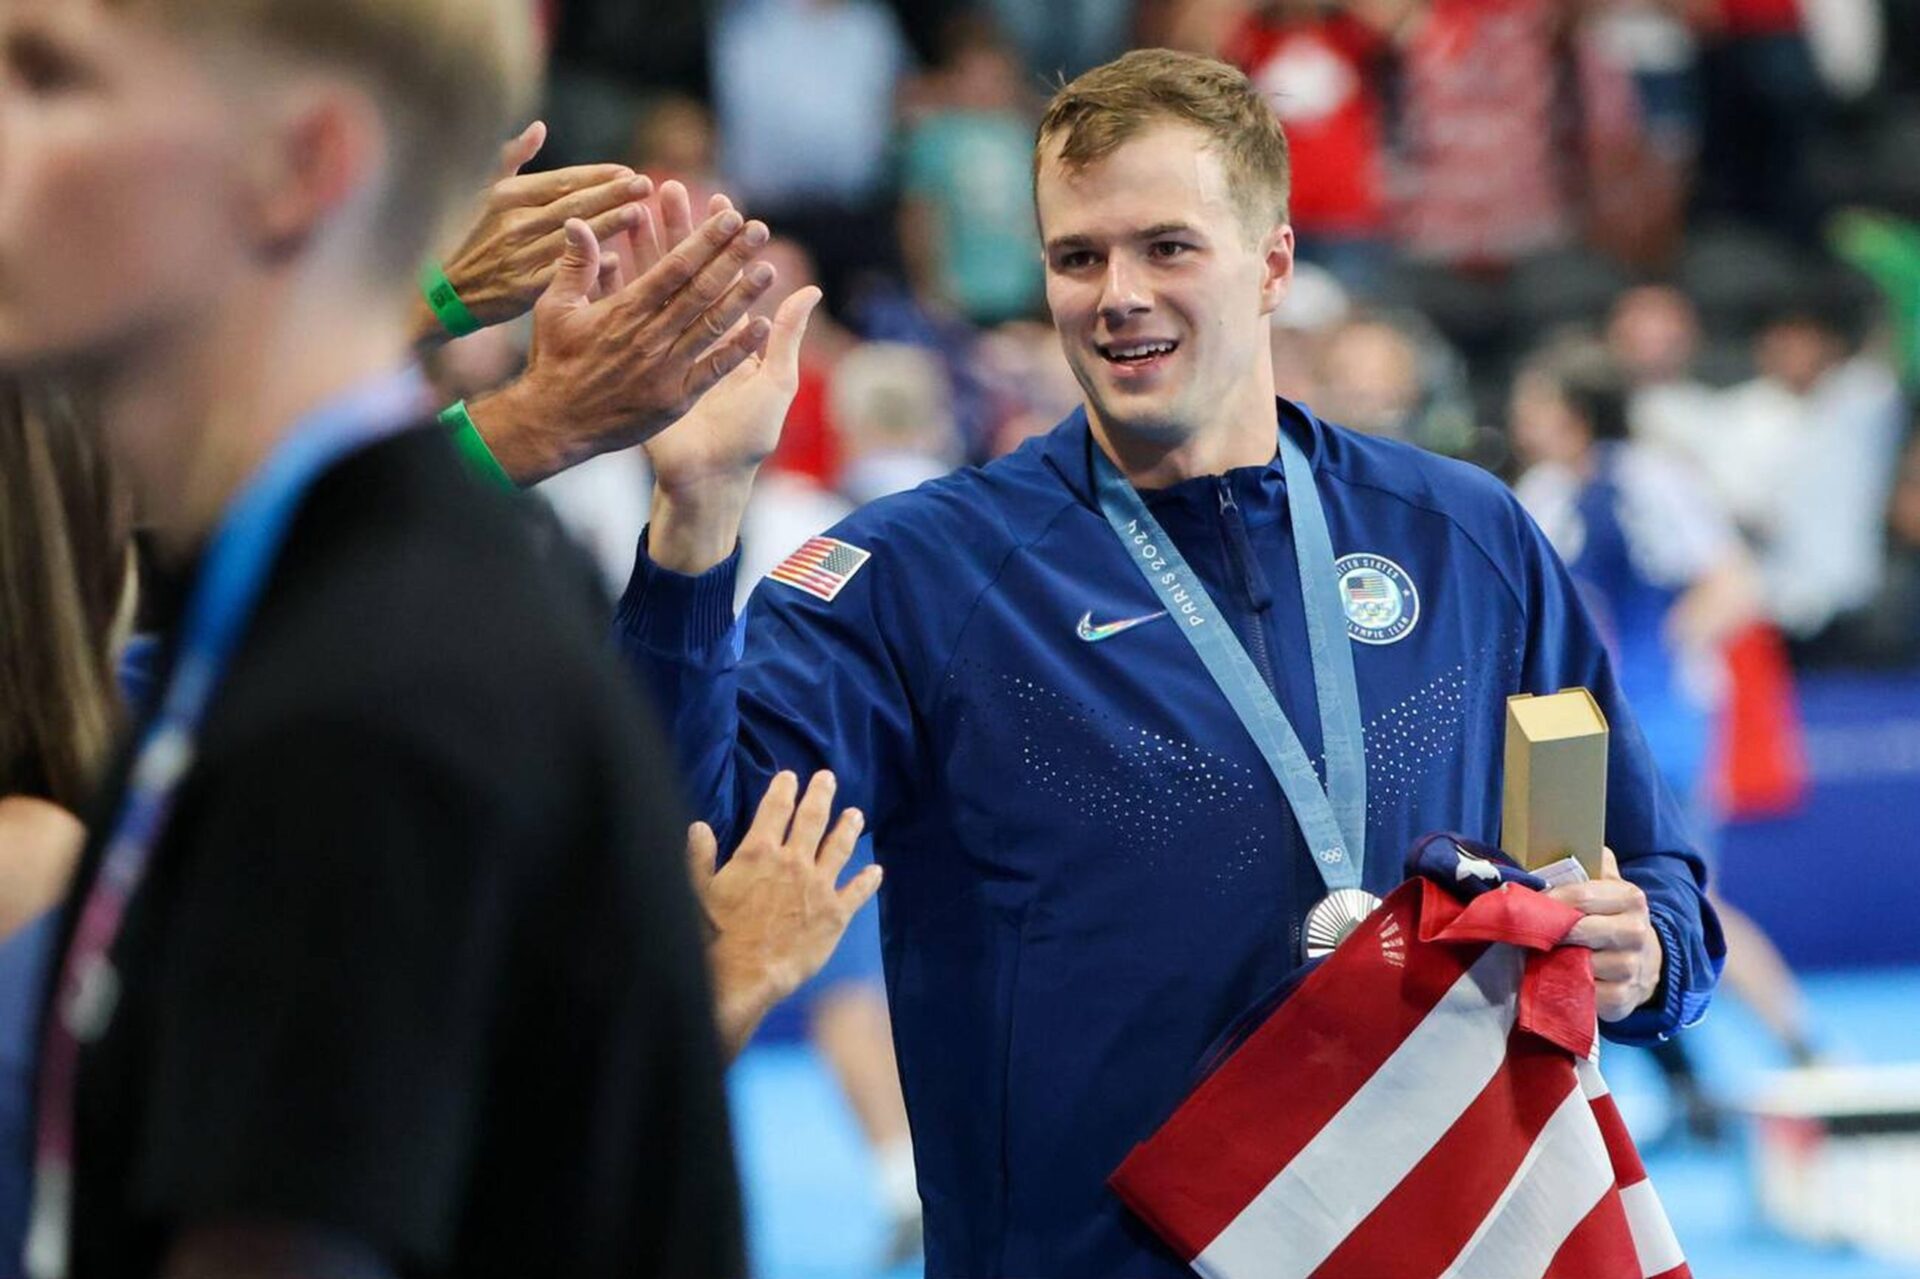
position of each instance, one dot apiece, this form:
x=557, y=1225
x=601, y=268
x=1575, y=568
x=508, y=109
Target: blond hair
x=64, y=575
x=455, y=78
x=1092, y=115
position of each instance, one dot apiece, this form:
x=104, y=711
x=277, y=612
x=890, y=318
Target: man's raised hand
x=778, y=908
x=614, y=361
x=509, y=256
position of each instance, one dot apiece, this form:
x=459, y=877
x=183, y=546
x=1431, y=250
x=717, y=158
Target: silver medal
x=1334, y=916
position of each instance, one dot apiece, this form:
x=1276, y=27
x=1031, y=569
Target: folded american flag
x=1425, y=1103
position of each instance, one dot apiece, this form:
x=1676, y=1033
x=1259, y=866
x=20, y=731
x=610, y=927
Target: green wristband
x=473, y=449
x=444, y=300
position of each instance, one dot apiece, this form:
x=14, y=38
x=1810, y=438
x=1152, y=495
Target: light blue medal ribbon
x=233, y=573
x=1333, y=819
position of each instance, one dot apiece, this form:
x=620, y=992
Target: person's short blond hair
x=455, y=79
x=1092, y=115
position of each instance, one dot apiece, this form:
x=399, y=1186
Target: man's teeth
x=1139, y=351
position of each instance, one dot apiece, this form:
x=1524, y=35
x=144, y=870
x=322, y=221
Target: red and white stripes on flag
x=1425, y=1105
x=821, y=567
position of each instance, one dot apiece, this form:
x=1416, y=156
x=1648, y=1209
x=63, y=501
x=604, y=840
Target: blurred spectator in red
x=1321, y=67
x=1653, y=336
x=1505, y=104
x=805, y=93
x=966, y=212
x=809, y=445
x=1805, y=461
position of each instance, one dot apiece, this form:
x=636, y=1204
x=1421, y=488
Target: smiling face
x=1159, y=288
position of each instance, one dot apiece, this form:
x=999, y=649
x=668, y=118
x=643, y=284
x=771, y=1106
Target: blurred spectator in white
x=1885, y=631
x=1653, y=336
x=805, y=96
x=966, y=213
x=891, y=403
x=1805, y=462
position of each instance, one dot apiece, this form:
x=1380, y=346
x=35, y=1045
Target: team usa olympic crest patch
x=821, y=567
x=1381, y=602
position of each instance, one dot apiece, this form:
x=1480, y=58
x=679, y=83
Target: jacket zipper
x=1240, y=551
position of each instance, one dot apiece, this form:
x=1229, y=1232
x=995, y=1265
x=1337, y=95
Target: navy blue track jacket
x=1090, y=870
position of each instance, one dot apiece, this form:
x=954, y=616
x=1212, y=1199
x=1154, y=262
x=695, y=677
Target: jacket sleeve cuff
x=667, y=612
x=1672, y=1007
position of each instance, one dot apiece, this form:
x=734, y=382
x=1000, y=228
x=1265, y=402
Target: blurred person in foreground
x=1668, y=582
x=65, y=576
x=1091, y=869
x=381, y=957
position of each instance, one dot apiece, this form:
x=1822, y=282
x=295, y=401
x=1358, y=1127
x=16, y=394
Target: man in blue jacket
x=1081, y=692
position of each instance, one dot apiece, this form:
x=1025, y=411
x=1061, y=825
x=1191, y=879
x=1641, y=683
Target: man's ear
x=1276, y=255
x=322, y=150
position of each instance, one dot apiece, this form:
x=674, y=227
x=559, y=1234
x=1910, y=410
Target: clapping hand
x=778, y=908
x=509, y=256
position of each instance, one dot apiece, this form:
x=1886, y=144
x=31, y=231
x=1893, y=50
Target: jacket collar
x=1068, y=450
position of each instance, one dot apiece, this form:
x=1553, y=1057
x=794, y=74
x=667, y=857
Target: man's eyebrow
x=1153, y=232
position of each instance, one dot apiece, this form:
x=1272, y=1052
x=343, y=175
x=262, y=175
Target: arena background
x=1714, y=198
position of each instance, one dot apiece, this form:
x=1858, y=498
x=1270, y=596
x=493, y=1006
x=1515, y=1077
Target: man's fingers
x=859, y=890
x=1609, y=864
x=538, y=190
x=1614, y=966
x=596, y=200
x=837, y=848
x=647, y=295
x=1607, y=932
x=720, y=293
x=1601, y=897
x=747, y=341
x=703, y=854
x=615, y=223
x=810, y=819
x=790, y=329
x=676, y=214
x=712, y=325
x=579, y=270
x=646, y=241
x=518, y=153
x=776, y=810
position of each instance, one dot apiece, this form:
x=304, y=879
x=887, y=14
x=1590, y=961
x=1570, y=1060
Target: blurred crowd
x=1717, y=196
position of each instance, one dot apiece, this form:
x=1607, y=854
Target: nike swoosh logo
x=1107, y=630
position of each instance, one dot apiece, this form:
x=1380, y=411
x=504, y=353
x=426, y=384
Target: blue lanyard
x=1334, y=819
x=226, y=591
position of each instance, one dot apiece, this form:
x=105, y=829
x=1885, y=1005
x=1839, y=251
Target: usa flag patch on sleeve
x=822, y=566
